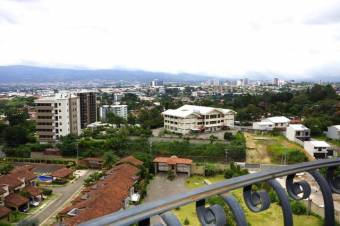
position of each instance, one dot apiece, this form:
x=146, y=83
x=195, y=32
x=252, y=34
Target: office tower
x=88, y=108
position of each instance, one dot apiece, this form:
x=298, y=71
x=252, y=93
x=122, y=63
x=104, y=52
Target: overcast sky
x=287, y=38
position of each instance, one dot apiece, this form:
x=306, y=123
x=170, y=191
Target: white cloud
x=218, y=37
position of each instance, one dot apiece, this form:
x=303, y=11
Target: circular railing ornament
x=333, y=180
x=298, y=190
x=210, y=216
x=256, y=201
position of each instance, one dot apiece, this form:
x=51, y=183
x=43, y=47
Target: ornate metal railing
x=256, y=201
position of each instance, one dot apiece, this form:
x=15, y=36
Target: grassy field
x=270, y=217
x=277, y=147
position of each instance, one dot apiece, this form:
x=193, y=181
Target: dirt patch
x=256, y=152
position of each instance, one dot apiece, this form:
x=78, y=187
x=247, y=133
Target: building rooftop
x=4, y=211
x=319, y=143
x=278, y=119
x=187, y=110
x=132, y=160
x=298, y=127
x=337, y=127
x=173, y=160
x=15, y=200
x=62, y=173
x=33, y=191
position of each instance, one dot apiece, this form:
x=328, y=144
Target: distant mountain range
x=19, y=73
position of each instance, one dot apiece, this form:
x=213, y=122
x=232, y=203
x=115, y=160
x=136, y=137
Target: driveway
x=66, y=194
x=161, y=187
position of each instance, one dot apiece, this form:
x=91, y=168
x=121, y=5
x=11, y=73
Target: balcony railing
x=256, y=201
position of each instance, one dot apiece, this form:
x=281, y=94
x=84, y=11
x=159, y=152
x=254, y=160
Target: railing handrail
x=146, y=210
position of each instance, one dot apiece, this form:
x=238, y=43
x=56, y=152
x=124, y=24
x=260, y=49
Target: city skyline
x=286, y=39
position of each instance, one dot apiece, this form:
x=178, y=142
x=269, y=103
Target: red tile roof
x=24, y=172
x=106, y=197
x=4, y=211
x=172, y=160
x=15, y=200
x=33, y=191
x=132, y=160
x=62, y=173
x=11, y=180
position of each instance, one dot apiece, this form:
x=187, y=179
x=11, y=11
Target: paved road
x=65, y=193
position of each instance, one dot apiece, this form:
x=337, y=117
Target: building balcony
x=257, y=200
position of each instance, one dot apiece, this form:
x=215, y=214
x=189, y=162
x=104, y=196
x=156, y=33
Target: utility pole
x=77, y=153
x=226, y=155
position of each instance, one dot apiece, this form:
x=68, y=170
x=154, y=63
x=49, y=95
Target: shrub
x=186, y=221
x=39, y=147
x=228, y=174
x=59, y=181
x=273, y=196
x=298, y=208
x=228, y=136
x=47, y=192
x=211, y=170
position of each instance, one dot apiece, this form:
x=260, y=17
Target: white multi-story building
x=263, y=126
x=334, y=132
x=119, y=110
x=318, y=149
x=191, y=118
x=279, y=122
x=298, y=133
x=57, y=116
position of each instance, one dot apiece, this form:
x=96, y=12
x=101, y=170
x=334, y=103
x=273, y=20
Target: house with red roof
x=173, y=163
x=10, y=185
x=113, y=192
x=62, y=173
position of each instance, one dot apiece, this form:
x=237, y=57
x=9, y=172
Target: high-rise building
x=119, y=110
x=245, y=82
x=156, y=83
x=57, y=116
x=88, y=108
x=276, y=81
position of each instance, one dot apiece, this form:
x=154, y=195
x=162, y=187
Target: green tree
x=110, y=159
x=212, y=139
x=112, y=118
x=68, y=145
x=5, y=168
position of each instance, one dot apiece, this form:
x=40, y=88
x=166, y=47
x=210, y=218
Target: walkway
x=65, y=195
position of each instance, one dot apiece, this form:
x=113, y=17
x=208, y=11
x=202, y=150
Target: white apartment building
x=57, y=116
x=298, y=133
x=119, y=110
x=192, y=118
x=333, y=132
x=263, y=126
x=318, y=149
x=280, y=122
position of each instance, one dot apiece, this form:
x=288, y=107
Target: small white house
x=333, y=132
x=318, y=149
x=280, y=122
x=263, y=126
x=298, y=133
